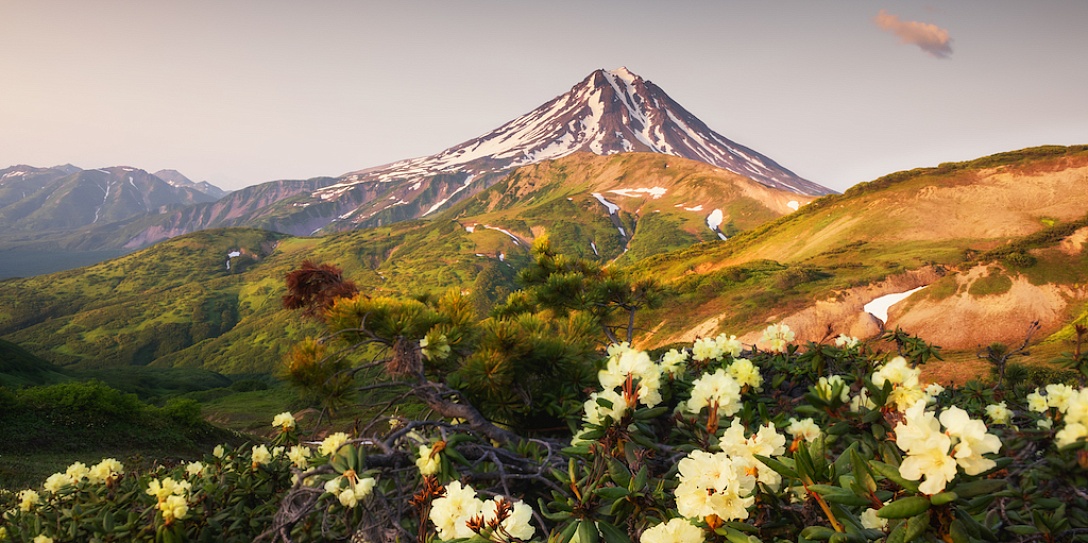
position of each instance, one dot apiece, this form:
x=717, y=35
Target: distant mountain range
x=67, y=198
x=608, y=112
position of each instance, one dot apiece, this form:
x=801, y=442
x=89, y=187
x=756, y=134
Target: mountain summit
x=608, y=112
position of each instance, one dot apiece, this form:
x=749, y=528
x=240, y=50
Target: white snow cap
x=623, y=73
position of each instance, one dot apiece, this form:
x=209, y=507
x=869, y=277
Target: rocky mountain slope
x=178, y=179
x=67, y=198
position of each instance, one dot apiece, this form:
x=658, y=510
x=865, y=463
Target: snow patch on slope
x=655, y=192
x=880, y=306
x=612, y=208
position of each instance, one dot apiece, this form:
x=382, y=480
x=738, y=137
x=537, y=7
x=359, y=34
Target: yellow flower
x=846, y=342
x=870, y=521
x=718, y=388
x=28, y=499
x=299, y=455
x=218, y=451
x=261, y=455
x=929, y=459
x=729, y=345
x=428, y=462
x=77, y=472
x=806, y=429
x=517, y=523
x=777, y=337
x=715, y=484
x=173, y=507
x=194, y=469
x=745, y=372
x=973, y=441
x=705, y=349
x=673, y=361
x=637, y=365
x=285, y=421
x=167, y=487
x=999, y=413
x=42, y=538
x=451, y=512
x=105, y=470
x=54, y=483
x=332, y=443
x=826, y=387
x=677, y=530
x=596, y=413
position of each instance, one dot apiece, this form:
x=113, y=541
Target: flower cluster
x=934, y=454
x=101, y=473
x=284, y=421
x=777, y=337
x=625, y=367
x=1076, y=419
x=803, y=430
x=764, y=442
x=715, y=484
x=906, y=389
x=846, y=342
x=677, y=530
x=715, y=348
x=172, y=497
x=718, y=391
x=349, y=488
x=460, y=514
x=999, y=413
x=332, y=443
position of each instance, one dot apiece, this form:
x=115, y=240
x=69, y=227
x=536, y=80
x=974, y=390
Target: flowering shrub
x=823, y=442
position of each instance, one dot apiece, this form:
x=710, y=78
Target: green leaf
x=942, y=498
x=916, y=526
x=904, y=507
x=817, y=533
x=587, y=532
x=892, y=473
x=640, y=479
x=1022, y=530
x=781, y=468
x=619, y=472
x=612, y=493
x=980, y=487
x=611, y=533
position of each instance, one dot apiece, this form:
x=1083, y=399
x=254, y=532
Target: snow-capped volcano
x=608, y=112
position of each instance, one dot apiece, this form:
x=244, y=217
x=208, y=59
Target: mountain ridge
x=607, y=112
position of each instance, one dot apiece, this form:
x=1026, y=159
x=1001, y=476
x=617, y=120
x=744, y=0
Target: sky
x=241, y=92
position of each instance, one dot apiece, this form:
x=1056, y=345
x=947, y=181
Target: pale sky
x=242, y=92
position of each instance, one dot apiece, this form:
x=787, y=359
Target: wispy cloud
x=929, y=37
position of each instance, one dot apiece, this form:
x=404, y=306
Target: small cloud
x=929, y=37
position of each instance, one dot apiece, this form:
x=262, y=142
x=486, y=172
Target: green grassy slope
x=177, y=305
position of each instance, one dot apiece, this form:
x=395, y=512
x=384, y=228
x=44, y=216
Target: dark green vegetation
x=82, y=420
x=20, y=368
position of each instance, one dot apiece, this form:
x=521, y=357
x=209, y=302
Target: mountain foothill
x=182, y=274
